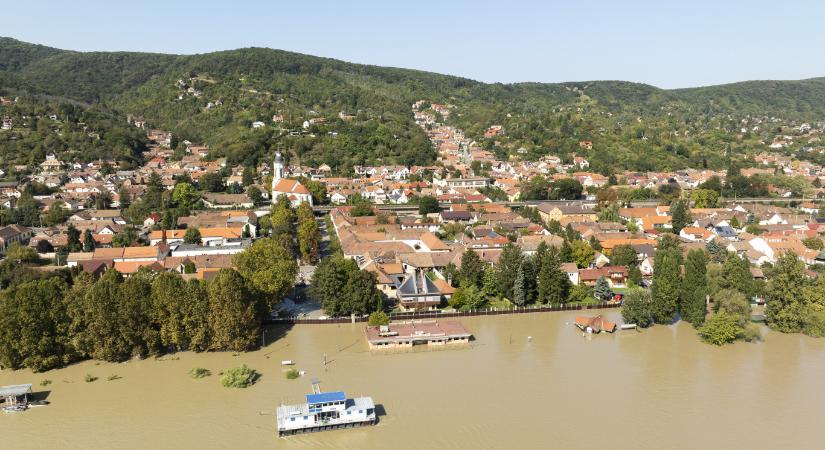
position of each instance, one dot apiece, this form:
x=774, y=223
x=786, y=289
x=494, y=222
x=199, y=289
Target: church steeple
x=277, y=168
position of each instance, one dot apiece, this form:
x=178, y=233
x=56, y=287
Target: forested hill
x=216, y=97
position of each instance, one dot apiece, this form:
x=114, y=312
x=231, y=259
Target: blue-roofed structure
x=325, y=411
x=326, y=397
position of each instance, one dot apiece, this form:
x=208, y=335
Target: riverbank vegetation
x=50, y=319
x=239, y=377
x=199, y=372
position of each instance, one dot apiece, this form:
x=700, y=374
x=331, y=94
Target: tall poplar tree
x=666, y=284
x=694, y=288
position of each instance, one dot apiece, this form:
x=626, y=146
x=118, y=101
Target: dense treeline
x=52, y=319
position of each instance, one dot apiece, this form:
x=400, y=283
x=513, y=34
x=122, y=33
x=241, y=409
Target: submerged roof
x=326, y=397
x=15, y=390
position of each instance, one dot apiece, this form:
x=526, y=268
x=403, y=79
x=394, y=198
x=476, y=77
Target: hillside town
x=412, y=251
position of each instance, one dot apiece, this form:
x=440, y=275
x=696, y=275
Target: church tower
x=277, y=173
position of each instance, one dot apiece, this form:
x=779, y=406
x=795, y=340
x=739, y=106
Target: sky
x=666, y=43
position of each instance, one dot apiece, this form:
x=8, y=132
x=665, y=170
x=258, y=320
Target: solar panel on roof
x=326, y=397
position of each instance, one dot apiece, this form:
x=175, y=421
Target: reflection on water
x=657, y=389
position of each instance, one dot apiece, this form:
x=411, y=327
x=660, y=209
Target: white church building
x=296, y=192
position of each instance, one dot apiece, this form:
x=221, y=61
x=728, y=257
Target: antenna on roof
x=316, y=386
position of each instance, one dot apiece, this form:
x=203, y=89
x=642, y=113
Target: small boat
x=37, y=403
x=287, y=362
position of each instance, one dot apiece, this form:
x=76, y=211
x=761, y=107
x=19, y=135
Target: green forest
x=361, y=113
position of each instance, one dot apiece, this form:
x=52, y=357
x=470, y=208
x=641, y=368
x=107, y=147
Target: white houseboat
x=325, y=411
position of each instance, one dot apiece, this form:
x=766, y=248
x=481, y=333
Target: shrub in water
x=89, y=378
x=239, y=377
x=199, y=372
x=292, y=374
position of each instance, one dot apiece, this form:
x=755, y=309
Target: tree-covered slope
x=361, y=113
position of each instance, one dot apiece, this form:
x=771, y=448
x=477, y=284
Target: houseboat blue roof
x=326, y=397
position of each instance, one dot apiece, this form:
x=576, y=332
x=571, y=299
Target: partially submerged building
x=404, y=335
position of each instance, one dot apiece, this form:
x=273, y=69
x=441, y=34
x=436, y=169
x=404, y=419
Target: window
x=292, y=419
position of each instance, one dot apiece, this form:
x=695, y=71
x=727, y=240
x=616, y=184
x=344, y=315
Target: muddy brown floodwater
x=657, y=389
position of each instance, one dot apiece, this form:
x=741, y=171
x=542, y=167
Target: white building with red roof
x=296, y=192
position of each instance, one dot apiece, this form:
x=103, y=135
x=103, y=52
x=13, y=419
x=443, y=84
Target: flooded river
x=657, y=389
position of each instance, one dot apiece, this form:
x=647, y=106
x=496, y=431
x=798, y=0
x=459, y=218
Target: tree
x=637, y=307
x=56, y=214
x=255, y=195
x=704, y=198
x=192, y=236
x=610, y=213
x=634, y=275
x=713, y=183
x=722, y=328
x=234, y=315
x=124, y=197
x=508, y=264
x=519, y=287
x=694, y=288
x=185, y=195
x=269, y=269
x=489, y=284
x=680, y=214
x=736, y=275
x=784, y=311
x=168, y=311
x=248, y=176
x=309, y=240
x=378, y=318
x=125, y=238
x=88, y=241
x=21, y=254
x=472, y=269
x=813, y=243
x=34, y=332
x=717, y=252
x=582, y=253
x=666, y=284
x=73, y=239
x=553, y=284
x=623, y=255
x=212, y=182
x=566, y=189
x=427, y=205
x=602, y=290
x=343, y=289
x=582, y=294
x=98, y=321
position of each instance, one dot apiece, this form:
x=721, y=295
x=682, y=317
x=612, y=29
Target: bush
x=637, y=308
x=292, y=374
x=722, y=328
x=239, y=377
x=199, y=372
x=45, y=382
x=379, y=318
x=90, y=378
x=814, y=324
